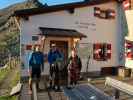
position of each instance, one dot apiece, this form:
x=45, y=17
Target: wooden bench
x=85, y=92
x=119, y=86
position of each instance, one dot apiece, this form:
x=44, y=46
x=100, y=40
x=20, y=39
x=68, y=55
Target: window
x=35, y=38
x=102, y=51
x=104, y=13
x=28, y=47
x=129, y=50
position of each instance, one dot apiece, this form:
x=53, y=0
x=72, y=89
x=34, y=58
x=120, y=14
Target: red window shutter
x=109, y=51
x=111, y=14
x=97, y=11
x=126, y=4
x=129, y=45
x=129, y=54
x=94, y=54
x=28, y=47
x=97, y=46
x=37, y=45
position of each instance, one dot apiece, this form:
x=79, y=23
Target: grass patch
x=16, y=79
x=3, y=73
x=14, y=82
x=9, y=98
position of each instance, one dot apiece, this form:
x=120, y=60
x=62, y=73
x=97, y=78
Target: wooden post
x=117, y=94
x=15, y=61
x=34, y=90
x=131, y=73
x=9, y=61
x=12, y=61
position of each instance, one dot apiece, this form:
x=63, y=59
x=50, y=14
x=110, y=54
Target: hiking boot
x=57, y=89
x=49, y=88
x=69, y=87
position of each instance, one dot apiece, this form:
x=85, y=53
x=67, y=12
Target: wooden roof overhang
x=56, y=32
x=54, y=8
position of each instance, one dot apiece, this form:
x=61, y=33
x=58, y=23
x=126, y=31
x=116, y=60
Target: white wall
x=99, y=30
x=129, y=16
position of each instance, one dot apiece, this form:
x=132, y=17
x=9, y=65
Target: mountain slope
x=9, y=32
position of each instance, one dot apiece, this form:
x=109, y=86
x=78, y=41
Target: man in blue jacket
x=36, y=64
x=53, y=55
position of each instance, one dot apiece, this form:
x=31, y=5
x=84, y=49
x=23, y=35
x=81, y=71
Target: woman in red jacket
x=74, y=67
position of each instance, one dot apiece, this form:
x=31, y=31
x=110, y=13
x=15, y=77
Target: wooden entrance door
x=63, y=47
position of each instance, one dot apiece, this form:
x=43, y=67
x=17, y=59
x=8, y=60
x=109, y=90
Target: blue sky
x=5, y=3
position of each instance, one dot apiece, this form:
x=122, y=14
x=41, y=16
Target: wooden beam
x=34, y=90
x=119, y=85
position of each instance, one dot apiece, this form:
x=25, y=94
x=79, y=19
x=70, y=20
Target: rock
x=89, y=79
x=16, y=89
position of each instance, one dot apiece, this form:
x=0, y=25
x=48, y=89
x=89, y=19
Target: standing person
x=36, y=65
x=53, y=57
x=74, y=68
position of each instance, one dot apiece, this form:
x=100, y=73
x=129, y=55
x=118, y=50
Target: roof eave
x=48, y=9
x=63, y=36
x=44, y=32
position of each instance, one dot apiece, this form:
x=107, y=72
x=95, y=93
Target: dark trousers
x=54, y=74
x=36, y=73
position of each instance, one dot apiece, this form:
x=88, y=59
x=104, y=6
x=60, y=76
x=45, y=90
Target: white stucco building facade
x=129, y=39
x=83, y=17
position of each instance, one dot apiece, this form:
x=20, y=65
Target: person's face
x=37, y=49
x=73, y=53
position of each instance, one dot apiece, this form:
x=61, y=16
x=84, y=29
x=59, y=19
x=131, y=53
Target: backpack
x=78, y=60
x=60, y=64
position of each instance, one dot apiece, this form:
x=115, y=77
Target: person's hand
x=52, y=65
x=68, y=71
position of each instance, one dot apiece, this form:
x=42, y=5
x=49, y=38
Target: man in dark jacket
x=53, y=57
x=36, y=64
